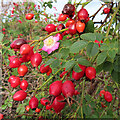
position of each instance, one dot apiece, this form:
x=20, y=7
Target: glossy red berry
x=37, y=110
x=57, y=105
x=15, y=81
x=78, y=75
x=33, y=103
x=108, y=96
x=44, y=69
x=72, y=29
x=14, y=62
x=87, y=19
x=27, y=57
x=16, y=44
x=50, y=28
x=19, y=95
x=44, y=101
x=1, y=116
x=11, y=78
x=69, y=22
x=102, y=92
x=29, y=16
x=62, y=17
x=23, y=84
x=55, y=88
x=80, y=26
x=90, y=72
x=82, y=14
x=25, y=49
x=27, y=108
x=36, y=59
x=106, y=10
x=68, y=89
x=22, y=70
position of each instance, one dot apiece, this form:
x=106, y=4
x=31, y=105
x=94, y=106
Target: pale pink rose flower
x=51, y=44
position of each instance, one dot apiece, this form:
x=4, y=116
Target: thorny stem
x=49, y=35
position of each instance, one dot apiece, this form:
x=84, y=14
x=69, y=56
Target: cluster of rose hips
x=107, y=96
x=75, y=24
x=90, y=73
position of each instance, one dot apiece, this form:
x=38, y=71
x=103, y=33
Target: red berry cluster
x=59, y=92
x=107, y=96
x=75, y=24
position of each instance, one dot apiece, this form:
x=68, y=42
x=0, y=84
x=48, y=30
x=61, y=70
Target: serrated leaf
x=49, y=61
x=77, y=46
x=76, y=68
x=69, y=64
x=116, y=76
x=92, y=36
x=66, y=43
x=56, y=63
x=101, y=58
x=9, y=104
x=64, y=52
x=92, y=49
x=83, y=61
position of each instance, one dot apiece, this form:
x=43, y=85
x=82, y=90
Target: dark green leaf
x=116, y=64
x=49, y=61
x=107, y=66
x=83, y=61
x=69, y=64
x=88, y=98
x=89, y=27
x=77, y=46
x=99, y=68
x=86, y=110
x=112, y=53
x=116, y=76
x=66, y=43
x=56, y=63
x=76, y=68
x=92, y=49
x=101, y=58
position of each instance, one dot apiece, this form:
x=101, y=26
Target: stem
x=7, y=90
x=108, y=30
x=49, y=35
x=82, y=98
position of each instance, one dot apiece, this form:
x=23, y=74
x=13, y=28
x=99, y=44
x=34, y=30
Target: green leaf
x=64, y=52
x=86, y=110
x=99, y=68
x=89, y=27
x=77, y=46
x=83, y=61
x=112, y=53
x=88, y=98
x=56, y=63
x=3, y=107
x=116, y=64
x=107, y=66
x=92, y=49
x=69, y=64
x=49, y=61
x=92, y=36
x=101, y=58
x=116, y=76
x=76, y=68
x=66, y=43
